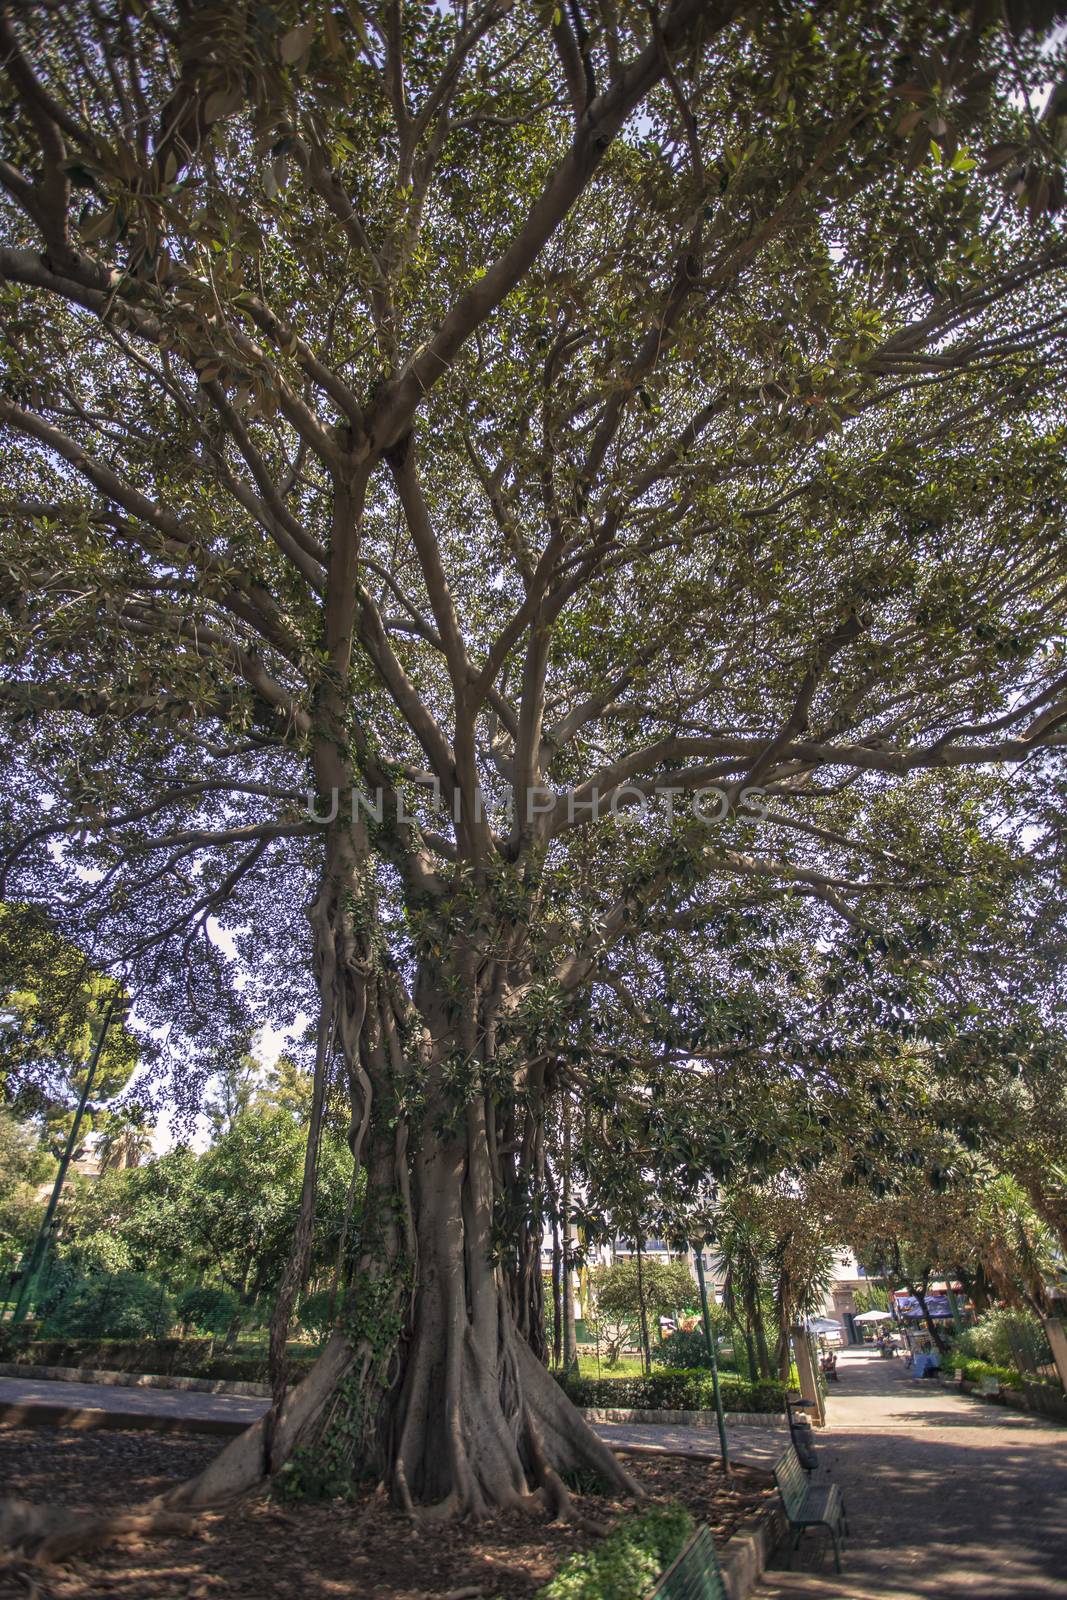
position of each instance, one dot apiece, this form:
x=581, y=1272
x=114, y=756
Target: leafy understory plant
x=627, y=1564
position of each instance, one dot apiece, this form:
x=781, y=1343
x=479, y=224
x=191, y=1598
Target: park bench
x=693, y=1575
x=809, y=1505
x=800, y=1430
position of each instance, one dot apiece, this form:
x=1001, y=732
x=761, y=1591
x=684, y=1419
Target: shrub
x=126, y=1305
x=625, y=1565
x=1001, y=1334
x=974, y=1371
x=102, y=1251
x=208, y=1307
x=685, y=1347
x=674, y=1390
x=315, y=1314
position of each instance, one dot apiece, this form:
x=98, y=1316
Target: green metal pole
x=709, y=1339
x=40, y=1243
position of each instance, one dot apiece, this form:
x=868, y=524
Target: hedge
x=673, y=1389
x=627, y=1564
x=974, y=1371
x=1017, y=1389
x=186, y=1358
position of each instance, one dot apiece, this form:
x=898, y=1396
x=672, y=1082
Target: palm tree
x=125, y=1142
x=743, y=1254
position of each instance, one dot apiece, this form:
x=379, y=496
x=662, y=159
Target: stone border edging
x=746, y=1555
x=684, y=1419
x=1051, y=1409
x=136, y=1380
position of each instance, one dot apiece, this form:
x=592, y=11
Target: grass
x=633, y=1367
x=625, y=1367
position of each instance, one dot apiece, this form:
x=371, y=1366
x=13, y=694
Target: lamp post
x=40, y=1244
x=710, y=1341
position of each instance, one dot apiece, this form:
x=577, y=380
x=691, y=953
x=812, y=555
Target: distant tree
x=208, y=1307
x=227, y=1212
x=234, y=1085
x=288, y=1085
x=25, y=1168
x=871, y=1299
x=125, y=1140
x=117, y=1305
x=52, y=1001
x=623, y=1297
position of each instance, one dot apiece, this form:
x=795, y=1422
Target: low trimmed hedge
x=185, y=1358
x=673, y=1389
x=1008, y=1377
x=627, y=1564
x=974, y=1371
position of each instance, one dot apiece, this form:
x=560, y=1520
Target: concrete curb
x=136, y=1380
x=45, y=1414
x=745, y=1556
x=1052, y=1408
x=685, y=1419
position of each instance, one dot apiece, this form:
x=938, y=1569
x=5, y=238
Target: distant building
x=840, y=1304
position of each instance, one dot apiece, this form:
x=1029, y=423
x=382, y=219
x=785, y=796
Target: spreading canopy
x=558, y=408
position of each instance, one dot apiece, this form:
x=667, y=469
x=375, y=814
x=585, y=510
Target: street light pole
x=710, y=1341
x=21, y=1310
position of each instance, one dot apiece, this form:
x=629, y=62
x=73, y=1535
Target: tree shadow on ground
x=929, y=1516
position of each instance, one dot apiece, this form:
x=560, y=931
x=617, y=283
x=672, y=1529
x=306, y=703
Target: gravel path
x=946, y=1495
x=749, y=1446
x=174, y=1404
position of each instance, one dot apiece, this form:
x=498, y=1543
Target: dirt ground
x=315, y=1552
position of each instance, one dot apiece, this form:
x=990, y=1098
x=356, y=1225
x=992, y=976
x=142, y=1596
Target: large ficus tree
x=530, y=401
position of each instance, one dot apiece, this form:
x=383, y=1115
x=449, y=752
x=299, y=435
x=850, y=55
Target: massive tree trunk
x=428, y=1384
x=430, y=1381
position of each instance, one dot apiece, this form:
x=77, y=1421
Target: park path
x=125, y=1405
x=946, y=1496
x=47, y=1399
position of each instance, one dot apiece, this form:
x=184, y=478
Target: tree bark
x=570, y=1333
x=427, y=1382
x=557, y=1296
x=646, y=1348
x=750, y=1350
x=931, y=1326
x=754, y=1315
